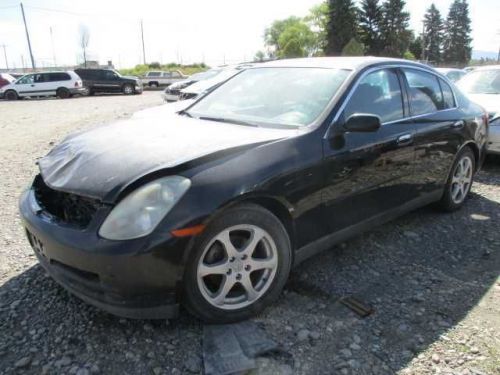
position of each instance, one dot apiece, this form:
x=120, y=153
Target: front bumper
x=138, y=88
x=133, y=279
x=494, y=140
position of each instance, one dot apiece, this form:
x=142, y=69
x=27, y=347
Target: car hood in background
x=206, y=84
x=490, y=102
x=108, y=158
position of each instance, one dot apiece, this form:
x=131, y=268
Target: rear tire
x=11, y=95
x=459, y=181
x=251, y=250
x=63, y=93
x=128, y=89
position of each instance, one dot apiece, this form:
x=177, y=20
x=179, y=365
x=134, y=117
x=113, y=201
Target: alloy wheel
x=461, y=180
x=237, y=267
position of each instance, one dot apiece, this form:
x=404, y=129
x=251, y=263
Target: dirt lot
x=432, y=279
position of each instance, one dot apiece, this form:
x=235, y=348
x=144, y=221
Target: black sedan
x=212, y=206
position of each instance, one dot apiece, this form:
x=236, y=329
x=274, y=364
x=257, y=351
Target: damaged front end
x=67, y=208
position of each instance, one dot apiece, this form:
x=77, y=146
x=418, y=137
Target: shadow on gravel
x=422, y=274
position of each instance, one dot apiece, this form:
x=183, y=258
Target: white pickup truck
x=159, y=78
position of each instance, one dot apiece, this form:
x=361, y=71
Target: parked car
x=206, y=85
x=157, y=79
x=172, y=93
x=6, y=79
x=451, y=73
x=213, y=205
x=61, y=84
x=482, y=86
x=17, y=75
x=109, y=81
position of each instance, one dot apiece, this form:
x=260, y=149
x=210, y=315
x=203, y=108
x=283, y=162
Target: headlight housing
x=138, y=214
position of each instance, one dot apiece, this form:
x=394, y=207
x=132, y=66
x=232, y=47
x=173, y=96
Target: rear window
x=425, y=92
x=53, y=77
x=448, y=97
x=85, y=74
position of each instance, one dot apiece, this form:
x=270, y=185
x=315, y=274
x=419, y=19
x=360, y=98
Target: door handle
x=404, y=139
x=458, y=125
x=32, y=85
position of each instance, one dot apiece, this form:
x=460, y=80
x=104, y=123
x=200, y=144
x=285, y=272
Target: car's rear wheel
x=128, y=89
x=11, y=95
x=154, y=84
x=63, y=93
x=460, y=181
x=238, y=266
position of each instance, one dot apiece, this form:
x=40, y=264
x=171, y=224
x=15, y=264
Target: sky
x=187, y=31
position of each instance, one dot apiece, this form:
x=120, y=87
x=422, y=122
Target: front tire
x=11, y=95
x=238, y=266
x=459, y=181
x=128, y=89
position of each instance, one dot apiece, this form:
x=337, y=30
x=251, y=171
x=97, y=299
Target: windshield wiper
x=228, y=120
x=184, y=113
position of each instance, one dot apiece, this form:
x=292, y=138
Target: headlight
x=139, y=213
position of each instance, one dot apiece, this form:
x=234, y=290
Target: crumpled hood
x=95, y=162
x=490, y=102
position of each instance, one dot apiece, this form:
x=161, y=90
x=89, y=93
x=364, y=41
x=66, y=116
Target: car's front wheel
x=460, y=181
x=11, y=95
x=128, y=89
x=239, y=265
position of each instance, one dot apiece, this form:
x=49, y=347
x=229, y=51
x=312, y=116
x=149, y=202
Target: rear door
x=370, y=174
x=439, y=125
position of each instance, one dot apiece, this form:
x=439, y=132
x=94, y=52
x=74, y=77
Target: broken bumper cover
x=133, y=279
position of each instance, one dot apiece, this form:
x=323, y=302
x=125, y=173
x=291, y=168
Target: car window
x=378, y=93
x=448, y=97
x=167, y=74
x=481, y=82
x=425, y=93
x=40, y=78
x=54, y=77
x=109, y=75
x=277, y=97
x=154, y=74
x=25, y=80
x=175, y=75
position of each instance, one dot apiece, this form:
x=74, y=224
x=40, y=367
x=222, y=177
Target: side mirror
x=362, y=122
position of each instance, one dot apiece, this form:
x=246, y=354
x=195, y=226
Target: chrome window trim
x=391, y=66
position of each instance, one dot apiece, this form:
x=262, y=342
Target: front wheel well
x=279, y=210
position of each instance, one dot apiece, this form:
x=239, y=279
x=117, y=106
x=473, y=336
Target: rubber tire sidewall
x=128, y=85
x=12, y=98
x=66, y=92
x=446, y=203
x=244, y=214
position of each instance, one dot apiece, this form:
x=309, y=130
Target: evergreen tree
x=370, y=18
x=457, y=40
x=353, y=48
x=433, y=35
x=395, y=34
x=342, y=25
x=416, y=47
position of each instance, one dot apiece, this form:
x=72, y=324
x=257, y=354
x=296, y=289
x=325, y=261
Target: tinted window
x=448, y=98
x=154, y=74
x=53, y=77
x=109, y=75
x=85, y=74
x=378, y=93
x=40, y=78
x=425, y=93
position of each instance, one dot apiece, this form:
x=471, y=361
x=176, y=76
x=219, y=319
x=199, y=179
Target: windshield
x=272, y=96
x=481, y=82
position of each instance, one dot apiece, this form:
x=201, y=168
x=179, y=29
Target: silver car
x=482, y=86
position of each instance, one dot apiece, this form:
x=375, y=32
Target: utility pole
x=53, y=50
x=423, y=41
x=143, y=48
x=28, y=37
x=5, y=55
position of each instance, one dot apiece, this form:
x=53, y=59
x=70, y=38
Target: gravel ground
x=431, y=278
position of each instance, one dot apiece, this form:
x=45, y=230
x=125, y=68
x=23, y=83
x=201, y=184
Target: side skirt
x=330, y=240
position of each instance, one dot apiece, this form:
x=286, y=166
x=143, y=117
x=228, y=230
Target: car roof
x=449, y=70
x=351, y=63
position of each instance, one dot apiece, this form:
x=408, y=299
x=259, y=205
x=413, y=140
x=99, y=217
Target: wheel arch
x=475, y=150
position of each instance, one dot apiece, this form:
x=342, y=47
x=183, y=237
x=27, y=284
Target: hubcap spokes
x=244, y=268
x=461, y=180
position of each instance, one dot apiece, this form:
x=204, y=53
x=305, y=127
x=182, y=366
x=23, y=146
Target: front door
x=369, y=174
